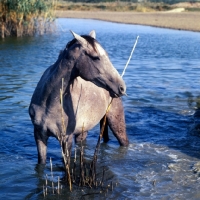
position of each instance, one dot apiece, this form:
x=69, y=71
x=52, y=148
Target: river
x=163, y=88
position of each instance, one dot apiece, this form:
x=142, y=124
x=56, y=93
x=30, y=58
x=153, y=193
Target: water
x=163, y=90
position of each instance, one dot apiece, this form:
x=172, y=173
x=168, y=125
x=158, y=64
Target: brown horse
x=90, y=80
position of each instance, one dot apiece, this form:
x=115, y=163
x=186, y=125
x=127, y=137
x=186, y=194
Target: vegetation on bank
x=123, y=6
x=112, y=6
x=30, y=17
x=25, y=17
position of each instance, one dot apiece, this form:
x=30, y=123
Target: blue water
x=163, y=88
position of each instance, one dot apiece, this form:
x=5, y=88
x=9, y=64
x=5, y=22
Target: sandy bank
x=182, y=21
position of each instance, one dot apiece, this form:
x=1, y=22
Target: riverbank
x=181, y=20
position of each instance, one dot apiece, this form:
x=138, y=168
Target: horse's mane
x=88, y=38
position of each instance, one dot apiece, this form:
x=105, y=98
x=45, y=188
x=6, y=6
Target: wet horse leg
x=105, y=131
x=66, y=143
x=41, y=142
x=116, y=121
x=66, y=146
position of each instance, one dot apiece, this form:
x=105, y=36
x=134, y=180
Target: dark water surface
x=163, y=87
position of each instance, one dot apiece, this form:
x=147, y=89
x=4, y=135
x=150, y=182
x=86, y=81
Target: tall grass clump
x=25, y=17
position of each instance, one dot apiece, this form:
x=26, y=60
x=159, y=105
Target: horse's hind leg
x=116, y=121
x=105, y=131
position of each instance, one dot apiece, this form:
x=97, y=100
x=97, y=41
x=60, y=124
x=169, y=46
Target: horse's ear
x=79, y=38
x=93, y=34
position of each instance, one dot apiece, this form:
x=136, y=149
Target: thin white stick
x=130, y=57
x=75, y=155
x=51, y=165
x=53, y=187
x=58, y=185
x=63, y=30
x=46, y=183
x=44, y=191
x=52, y=174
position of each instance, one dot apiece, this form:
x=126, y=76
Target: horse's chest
x=89, y=104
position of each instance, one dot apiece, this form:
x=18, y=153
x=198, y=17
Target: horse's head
x=93, y=64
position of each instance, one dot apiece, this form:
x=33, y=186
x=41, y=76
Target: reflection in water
x=163, y=95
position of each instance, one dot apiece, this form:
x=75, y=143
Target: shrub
x=25, y=17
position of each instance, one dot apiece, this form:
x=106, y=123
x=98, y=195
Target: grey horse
x=90, y=81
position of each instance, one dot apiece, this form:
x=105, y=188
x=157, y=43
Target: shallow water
x=163, y=90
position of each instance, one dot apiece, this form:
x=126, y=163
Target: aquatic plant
x=25, y=17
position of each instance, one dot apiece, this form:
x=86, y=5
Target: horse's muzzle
x=122, y=90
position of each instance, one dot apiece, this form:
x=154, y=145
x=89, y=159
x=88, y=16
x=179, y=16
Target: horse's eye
x=95, y=58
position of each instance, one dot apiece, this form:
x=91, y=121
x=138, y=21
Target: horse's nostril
x=121, y=89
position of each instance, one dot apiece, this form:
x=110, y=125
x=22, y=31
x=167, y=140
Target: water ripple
x=163, y=92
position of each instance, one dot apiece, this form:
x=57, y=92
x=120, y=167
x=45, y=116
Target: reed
x=26, y=17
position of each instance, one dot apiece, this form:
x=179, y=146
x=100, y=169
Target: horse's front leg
x=116, y=121
x=41, y=142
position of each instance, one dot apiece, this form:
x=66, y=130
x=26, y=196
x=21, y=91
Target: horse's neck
x=62, y=69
